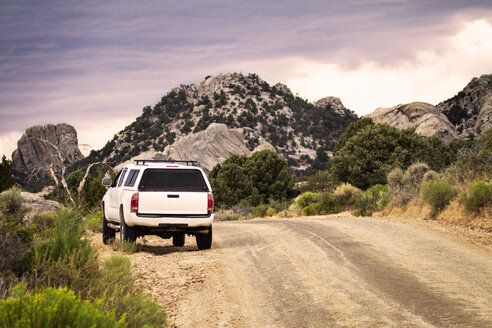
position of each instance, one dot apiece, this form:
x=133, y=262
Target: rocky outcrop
x=209, y=147
x=332, y=103
x=426, y=119
x=37, y=204
x=464, y=109
x=41, y=146
x=484, y=119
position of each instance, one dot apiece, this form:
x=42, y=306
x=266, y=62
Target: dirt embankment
x=319, y=272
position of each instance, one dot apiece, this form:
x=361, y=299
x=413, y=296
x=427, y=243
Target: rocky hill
x=470, y=109
x=426, y=119
x=302, y=132
x=41, y=146
x=465, y=115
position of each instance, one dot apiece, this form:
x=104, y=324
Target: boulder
x=332, y=103
x=425, y=118
x=37, y=204
x=41, y=146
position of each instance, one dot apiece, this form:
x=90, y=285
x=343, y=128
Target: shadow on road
x=163, y=250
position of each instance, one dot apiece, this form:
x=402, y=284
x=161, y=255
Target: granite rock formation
x=464, y=109
x=41, y=146
x=426, y=119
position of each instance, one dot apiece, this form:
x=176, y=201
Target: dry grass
x=455, y=214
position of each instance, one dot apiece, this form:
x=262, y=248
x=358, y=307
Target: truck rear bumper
x=136, y=219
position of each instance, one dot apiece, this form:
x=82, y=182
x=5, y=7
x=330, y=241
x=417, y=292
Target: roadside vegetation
x=375, y=168
x=50, y=274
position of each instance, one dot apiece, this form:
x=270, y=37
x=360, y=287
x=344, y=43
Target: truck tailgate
x=169, y=203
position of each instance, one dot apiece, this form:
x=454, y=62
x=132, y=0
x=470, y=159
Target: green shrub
x=373, y=199
x=12, y=204
x=122, y=295
x=271, y=211
x=63, y=255
x=128, y=247
x=312, y=209
x=346, y=194
x=321, y=181
x=414, y=174
x=42, y=221
x=396, y=179
x=6, y=179
x=260, y=211
x=15, y=245
x=405, y=185
x=478, y=196
x=258, y=178
x=230, y=218
x=94, y=221
x=55, y=308
x=307, y=199
x=329, y=204
x=438, y=194
x=15, y=237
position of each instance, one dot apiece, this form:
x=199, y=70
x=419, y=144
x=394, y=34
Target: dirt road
x=321, y=272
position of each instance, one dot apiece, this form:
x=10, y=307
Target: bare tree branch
x=53, y=176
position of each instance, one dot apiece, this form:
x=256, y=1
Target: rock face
x=484, y=119
x=464, y=109
x=425, y=118
x=41, y=146
x=209, y=147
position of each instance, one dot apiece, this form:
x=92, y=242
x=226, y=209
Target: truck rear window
x=172, y=180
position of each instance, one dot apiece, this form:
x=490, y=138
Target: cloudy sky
x=96, y=64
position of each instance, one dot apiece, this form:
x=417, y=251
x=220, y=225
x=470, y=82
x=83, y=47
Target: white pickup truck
x=167, y=199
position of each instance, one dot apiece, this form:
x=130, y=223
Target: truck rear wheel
x=179, y=239
x=204, y=241
x=127, y=233
x=108, y=233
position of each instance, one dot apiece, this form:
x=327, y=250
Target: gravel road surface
x=319, y=272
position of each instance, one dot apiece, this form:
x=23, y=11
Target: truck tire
x=127, y=233
x=108, y=233
x=179, y=239
x=204, y=241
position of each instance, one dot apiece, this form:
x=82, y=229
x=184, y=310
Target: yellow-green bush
x=329, y=204
x=271, y=211
x=63, y=255
x=478, y=196
x=346, y=194
x=122, y=295
x=94, y=221
x=12, y=204
x=55, y=308
x=260, y=211
x=438, y=194
x=312, y=209
x=307, y=199
x=373, y=199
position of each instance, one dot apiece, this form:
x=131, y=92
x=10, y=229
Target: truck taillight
x=134, y=203
x=210, y=202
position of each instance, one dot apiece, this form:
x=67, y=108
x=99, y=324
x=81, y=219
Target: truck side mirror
x=106, y=182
